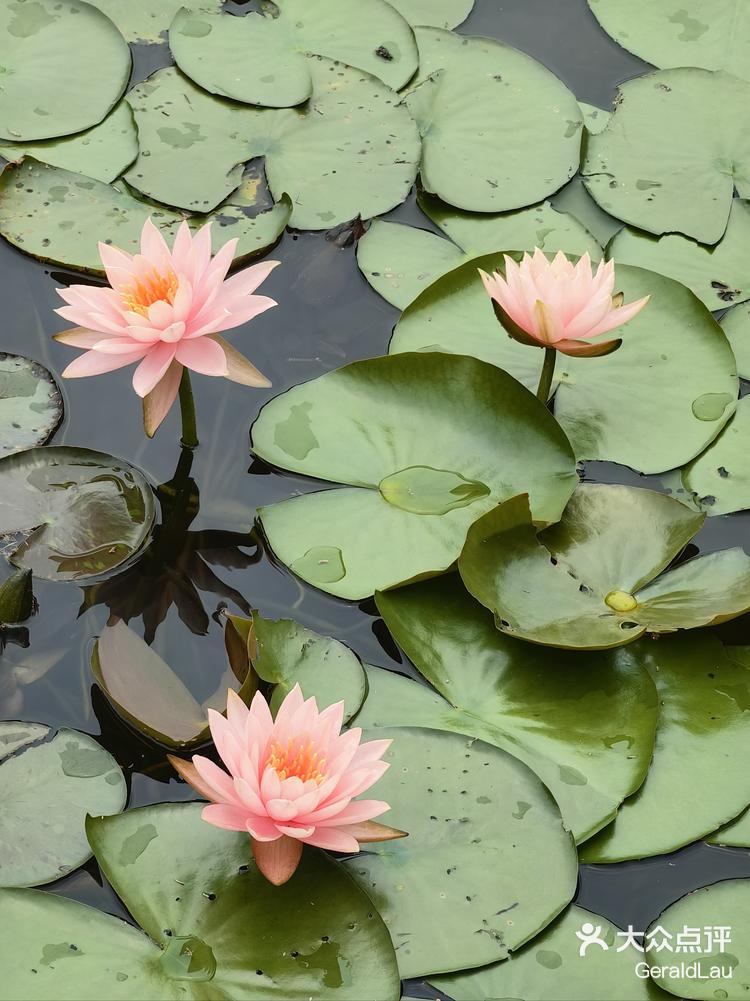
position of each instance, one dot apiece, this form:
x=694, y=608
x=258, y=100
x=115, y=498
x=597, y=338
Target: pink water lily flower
x=290, y=781
x=558, y=304
x=165, y=310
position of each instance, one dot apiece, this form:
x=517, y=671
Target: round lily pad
x=681, y=32
x=653, y=405
x=434, y=13
x=697, y=781
x=78, y=513
x=31, y=405
x=584, y=723
x=353, y=150
x=426, y=443
x=718, y=275
x=737, y=833
x=49, y=782
x=645, y=168
x=600, y=570
x=148, y=20
x=736, y=326
x=475, y=92
x=720, y=477
x=60, y=216
x=204, y=908
x=487, y=863
x=719, y=914
x=51, y=84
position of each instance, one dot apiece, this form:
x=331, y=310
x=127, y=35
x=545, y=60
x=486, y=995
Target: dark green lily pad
x=724, y=905
x=487, y=863
x=737, y=833
x=584, y=723
x=435, y=13
x=60, y=216
x=351, y=151
x=736, y=326
x=427, y=442
x=78, y=513
x=475, y=92
x=719, y=479
x=17, y=601
x=31, y=405
x=653, y=405
x=551, y=969
x=148, y=20
x=600, y=570
x=685, y=189
x=51, y=84
x=49, y=782
x=698, y=780
x=204, y=907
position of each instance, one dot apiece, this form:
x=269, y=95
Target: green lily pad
x=584, y=724
x=102, y=152
x=400, y=261
x=17, y=601
x=474, y=93
x=737, y=833
x=434, y=13
x=148, y=20
x=697, y=781
x=720, y=477
x=551, y=969
x=49, y=782
x=487, y=863
x=78, y=513
x=51, y=84
x=653, y=405
x=718, y=275
x=31, y=405
x=600, y=570
x=651, y=132
x=261, y=60
x=595, y=119
x=60, y=216
x=724, y=905
x=574, y=200
x=351, y=151
x=204, y=907
x=736, y=326
x=427, y=442
x=681, y=32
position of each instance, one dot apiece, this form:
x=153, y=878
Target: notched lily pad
x=31, y=404
x=147, y=21
x=719, y=479
x=434, y=13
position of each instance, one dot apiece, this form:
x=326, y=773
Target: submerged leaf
x=31, y=404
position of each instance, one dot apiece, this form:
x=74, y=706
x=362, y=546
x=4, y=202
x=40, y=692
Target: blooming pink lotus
x=291, y=781
x=165, y=309
x=560, y=305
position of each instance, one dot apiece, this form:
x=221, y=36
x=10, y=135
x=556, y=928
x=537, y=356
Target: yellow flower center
x=297, y=760
x=621, y=601
x=152, y=287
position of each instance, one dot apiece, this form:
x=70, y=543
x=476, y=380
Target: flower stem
x=187, y=408
x=548, y=370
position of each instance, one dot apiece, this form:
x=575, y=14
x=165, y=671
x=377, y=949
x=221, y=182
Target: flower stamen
x=297, y=760
x=153, y=287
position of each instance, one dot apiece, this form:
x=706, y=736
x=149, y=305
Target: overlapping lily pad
x=698, y=780
x=474, y=93
x=487, y=863
x=719, y=479
x=584, y=724
x=600, y=570
x=51, y=84
x=261, y=60
x=351, y=151
x=60, y=216
x=17, y=601
x=434, y=13
x=31, y=405
x=645, y=167
x=427, y=442
x=723, y=905
x=49, y=782
x=654, y=404
x=681, y=32
x=77, y=513
x=718, y=275
x=736, y=326
x=205, y=910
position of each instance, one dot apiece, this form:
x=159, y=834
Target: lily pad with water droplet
x=698, y=780
x=736, y=326
x=31, y=405
x=636, y=406
x=204, y=908
x=49, y=782
x=434, y=13
x=600, y=570
x=487, y=863
x=585, y=723
x=148, y=20
x=719, y=479
x=51, y=85
x=644, y=167
x=403, y=433
x=76, y=513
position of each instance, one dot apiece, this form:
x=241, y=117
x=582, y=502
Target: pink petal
x=262, y=829
x=154, y=247
x=619, y=316
x=94, y=363
x=217, y=781
x=281, y=809
x=239, y=368
x=202, y=355
x=227, y=744
x=277, y=860
x=153, y=367
x=247, y=281
x=249, y=796
x=83, y=316
x=332, y=839
x=158, y=403
x=356, y=812
x=116, y=345
x=230, y=818
x=160, y=314
x=78, y=337
x=244, y=311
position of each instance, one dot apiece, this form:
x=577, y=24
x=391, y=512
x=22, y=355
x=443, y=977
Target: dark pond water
x=327, y=316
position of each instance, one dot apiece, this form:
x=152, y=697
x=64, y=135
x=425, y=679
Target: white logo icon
x=590, y=935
